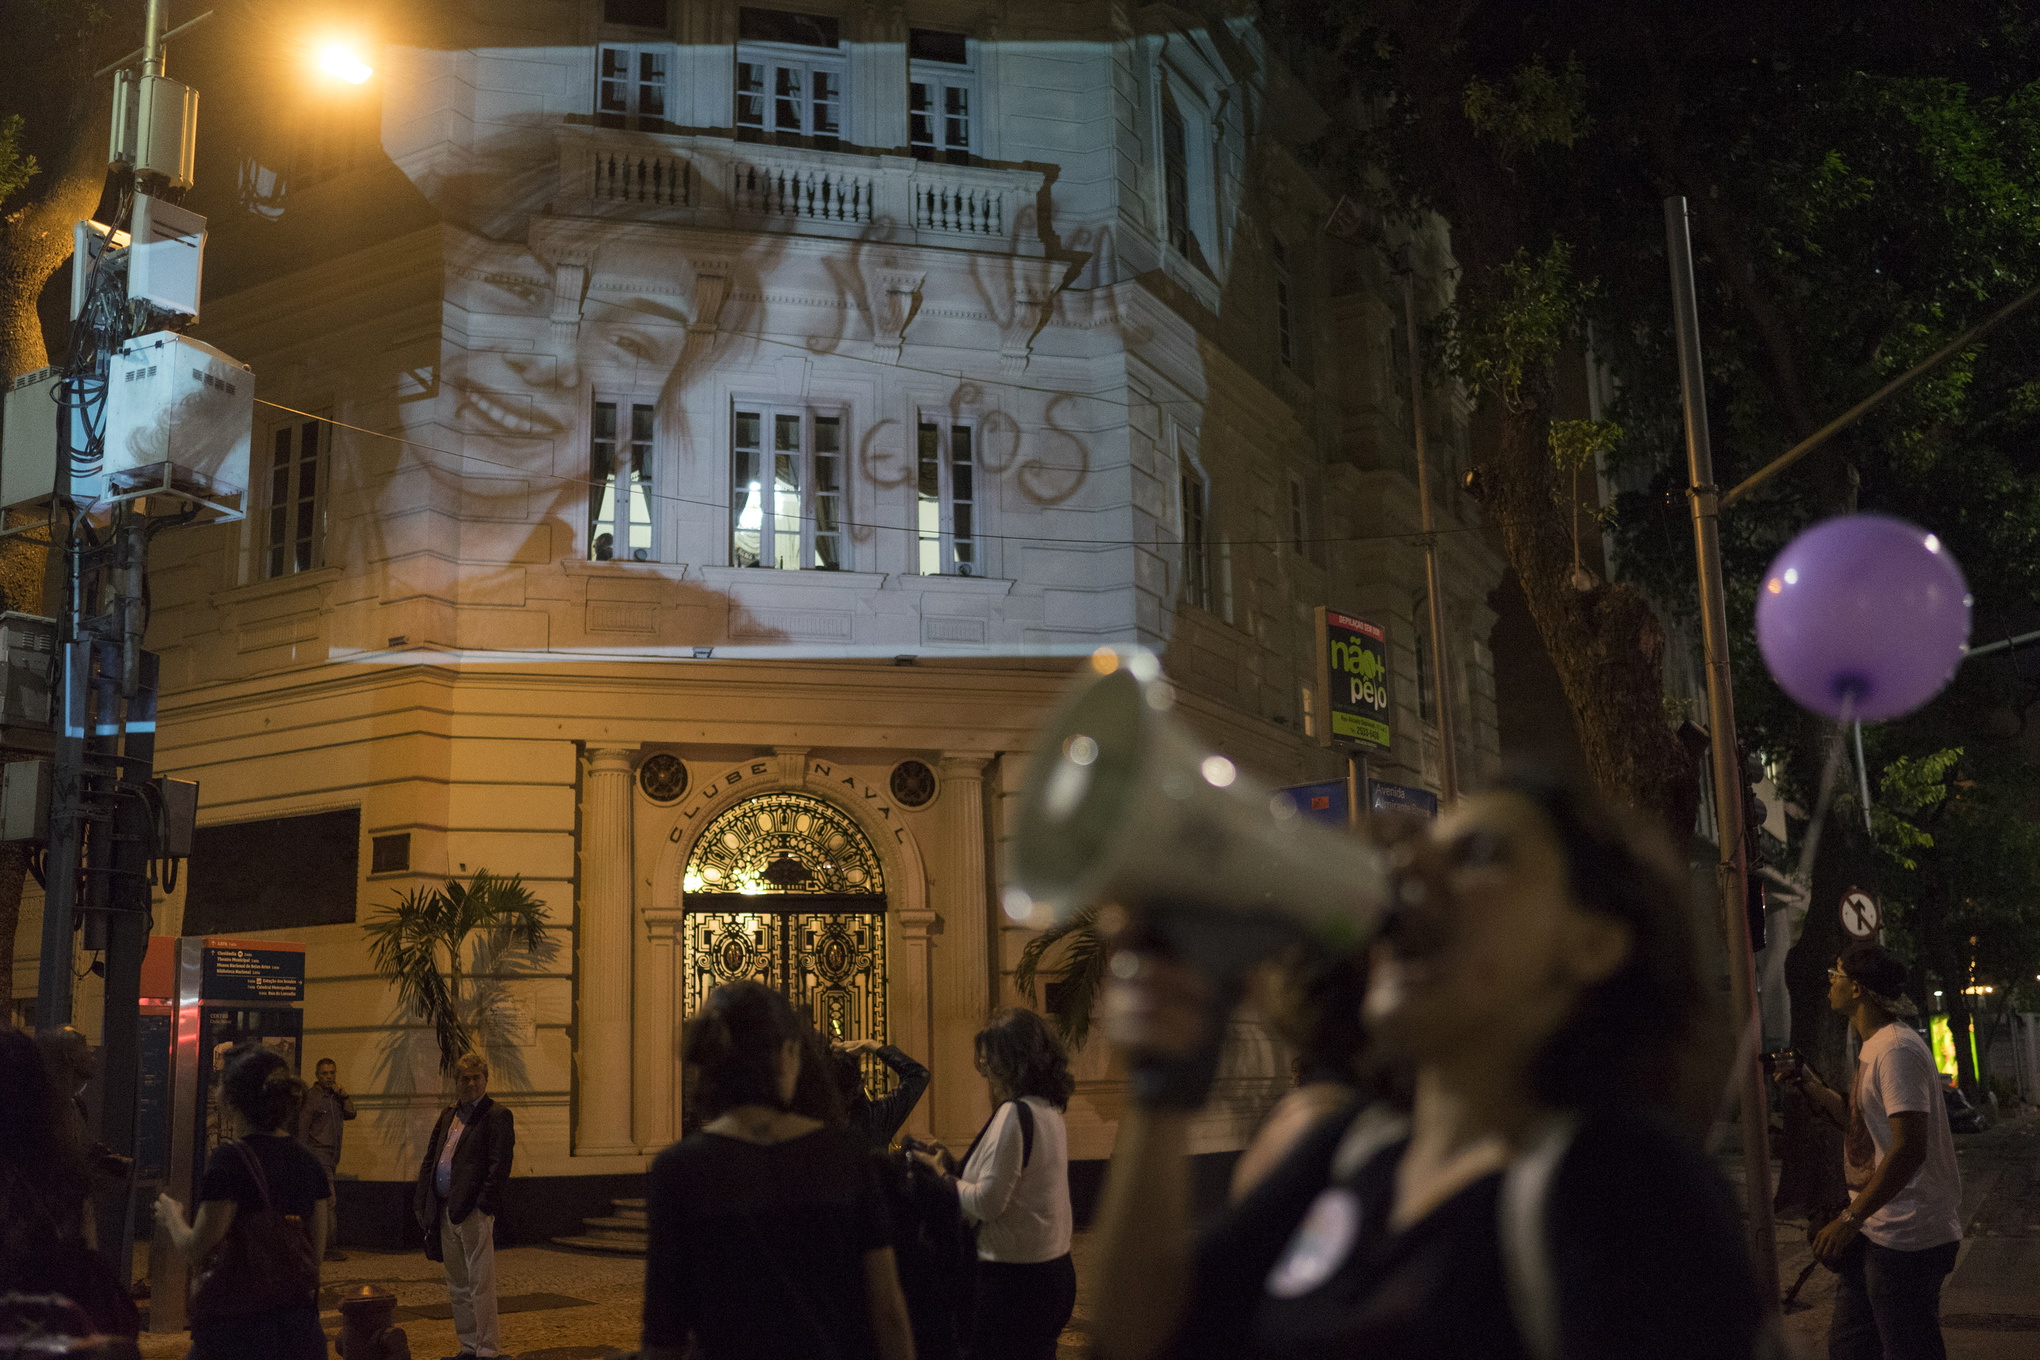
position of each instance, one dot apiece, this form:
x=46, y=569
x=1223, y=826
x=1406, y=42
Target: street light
x=339, y=61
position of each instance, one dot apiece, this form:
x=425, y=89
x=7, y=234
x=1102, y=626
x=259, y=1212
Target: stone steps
x=620, y=1232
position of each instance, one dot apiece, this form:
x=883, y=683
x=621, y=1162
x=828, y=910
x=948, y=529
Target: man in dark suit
x=460, y=1191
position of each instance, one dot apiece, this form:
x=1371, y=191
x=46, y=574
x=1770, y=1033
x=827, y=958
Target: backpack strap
x=254, y=1165
x=1525, y=1237
x=1026, y=1117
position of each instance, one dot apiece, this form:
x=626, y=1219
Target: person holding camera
x=1539, y=977
x=1014, y=1184
x=1897, y=1240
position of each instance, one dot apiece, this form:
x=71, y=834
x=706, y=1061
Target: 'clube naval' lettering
x=712, y=790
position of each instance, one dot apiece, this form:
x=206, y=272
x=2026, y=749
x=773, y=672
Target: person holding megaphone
x=1537, y=974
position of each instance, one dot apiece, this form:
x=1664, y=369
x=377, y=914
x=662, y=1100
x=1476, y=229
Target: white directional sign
x=1860, y=915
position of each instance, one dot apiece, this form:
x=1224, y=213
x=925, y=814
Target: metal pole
x=1877, y=398
x=130, y=829
x=1448, y=751
x=60, y=872
x=1356, y=789
x=1728, y=809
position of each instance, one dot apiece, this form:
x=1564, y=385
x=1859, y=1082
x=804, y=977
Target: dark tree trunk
x=1948, y=960
x=1606, y=643
x=1810, y=1181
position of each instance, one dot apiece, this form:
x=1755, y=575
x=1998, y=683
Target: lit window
x=296, y=503
x=941, y=93
x=786, y=489
x=630, y=87
x=620, y=477
x=790, y=77
x=946, y=500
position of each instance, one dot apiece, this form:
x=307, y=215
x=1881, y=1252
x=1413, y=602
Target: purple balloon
x=1863, y=605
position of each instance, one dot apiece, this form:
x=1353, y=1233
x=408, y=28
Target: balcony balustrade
x=720, y=182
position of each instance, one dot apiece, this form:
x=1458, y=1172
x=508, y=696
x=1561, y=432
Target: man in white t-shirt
x=1896, y=1242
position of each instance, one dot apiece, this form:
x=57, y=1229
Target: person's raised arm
x=889, y=1112
x=1152, y=1008
x=893, y=1329
x=1818, y=1093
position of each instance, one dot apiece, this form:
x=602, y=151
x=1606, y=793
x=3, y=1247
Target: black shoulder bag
x=263, y=1265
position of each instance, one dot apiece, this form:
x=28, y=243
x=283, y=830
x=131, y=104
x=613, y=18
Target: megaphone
x=1123, y=805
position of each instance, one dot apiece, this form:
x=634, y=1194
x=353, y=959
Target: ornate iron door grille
x=806, y=917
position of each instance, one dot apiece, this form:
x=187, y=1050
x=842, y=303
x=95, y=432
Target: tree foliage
x=1079, y=972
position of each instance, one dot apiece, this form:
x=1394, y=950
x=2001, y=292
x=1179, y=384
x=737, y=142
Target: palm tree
x=1078, y=976
x=429, y=929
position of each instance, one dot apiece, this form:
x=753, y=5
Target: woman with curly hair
x=1015, y=1186
x=262, y=1174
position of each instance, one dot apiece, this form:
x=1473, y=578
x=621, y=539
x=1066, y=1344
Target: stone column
x=912, y=1014
x=656, y=1027
x=963, y=963
x=602, y=965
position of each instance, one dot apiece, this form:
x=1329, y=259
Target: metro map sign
x=1353, y=661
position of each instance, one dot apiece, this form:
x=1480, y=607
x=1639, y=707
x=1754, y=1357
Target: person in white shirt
x=1897, y=1240
x=1015, y=1186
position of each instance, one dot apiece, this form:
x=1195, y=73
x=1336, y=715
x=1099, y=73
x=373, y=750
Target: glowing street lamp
x=340, y=62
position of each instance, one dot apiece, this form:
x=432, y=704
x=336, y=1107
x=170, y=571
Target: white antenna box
x=179, y=416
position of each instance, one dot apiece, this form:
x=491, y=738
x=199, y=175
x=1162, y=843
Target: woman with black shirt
x=1539, y=1202
x=262, y=1097
x=768, y=1231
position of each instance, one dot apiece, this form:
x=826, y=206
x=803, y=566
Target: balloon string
x=1752, y=1031
x=1863, y=780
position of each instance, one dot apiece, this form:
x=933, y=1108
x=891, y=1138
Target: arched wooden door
x=784, y=889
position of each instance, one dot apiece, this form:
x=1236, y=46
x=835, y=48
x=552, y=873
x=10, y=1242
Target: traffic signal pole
x=1730, y=870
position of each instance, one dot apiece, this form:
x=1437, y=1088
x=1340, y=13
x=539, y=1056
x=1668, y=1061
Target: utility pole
x=1730, y=870
x=107, y=818
x=1434, y=589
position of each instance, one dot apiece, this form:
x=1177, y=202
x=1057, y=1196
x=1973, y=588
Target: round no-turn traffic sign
x=1860, y=915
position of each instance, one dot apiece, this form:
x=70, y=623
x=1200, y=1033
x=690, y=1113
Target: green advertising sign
x=1353, y=659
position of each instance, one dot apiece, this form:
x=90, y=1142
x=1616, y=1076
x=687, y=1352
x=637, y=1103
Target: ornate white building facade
x=717, y=415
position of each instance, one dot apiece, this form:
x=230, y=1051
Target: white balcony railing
x=715, y=181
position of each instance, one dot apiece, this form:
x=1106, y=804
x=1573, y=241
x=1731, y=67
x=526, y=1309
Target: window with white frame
x=630, y=86
x=786, y=488
x=945, y=499
x=1196, y=541
x=1285, y=344
x=790, y=77
x=621, y=437
x=294, y=524
x=941, y=96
